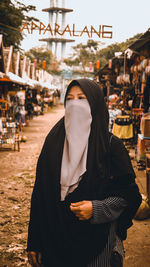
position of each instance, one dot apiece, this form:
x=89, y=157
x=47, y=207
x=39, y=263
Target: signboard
x=67, y=74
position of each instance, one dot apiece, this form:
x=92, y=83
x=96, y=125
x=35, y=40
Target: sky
x=127, y=18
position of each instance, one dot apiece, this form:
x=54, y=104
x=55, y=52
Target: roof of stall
x=142, y=41
x=15, y=78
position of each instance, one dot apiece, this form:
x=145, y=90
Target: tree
x=109, y=52
x=72, y=62
x=40, y=54
x=84, y=53
x=12, y=16
x=92, y=52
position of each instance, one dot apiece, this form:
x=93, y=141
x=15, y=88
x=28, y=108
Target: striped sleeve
x=107, y=210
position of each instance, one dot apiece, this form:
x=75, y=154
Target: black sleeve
x=122, y=184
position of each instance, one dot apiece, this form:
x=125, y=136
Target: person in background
x=85, y=195
x=29, y=107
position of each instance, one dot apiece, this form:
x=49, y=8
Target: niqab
x=77, y=127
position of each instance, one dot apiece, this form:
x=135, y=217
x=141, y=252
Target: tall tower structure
x=55, y=12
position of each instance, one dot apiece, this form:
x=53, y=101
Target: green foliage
x=72, y=62
x=12, y=16
x=83, y=53
x=40, y=54
x=109, y=52
x=92, y=52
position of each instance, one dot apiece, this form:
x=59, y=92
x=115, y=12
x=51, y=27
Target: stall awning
x=48, y=86
x=3, y=77
x=15, y=78
x=32, y=83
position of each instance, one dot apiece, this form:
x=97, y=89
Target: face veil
x=77, y=127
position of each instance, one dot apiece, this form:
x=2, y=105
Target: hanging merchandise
x=144, y=63
x=146, y=100
x=147, y=70
x=123, y=127
x=110, y=63
x=98, y=64
x=138, y=85
x=123, y=79
x=1, y=126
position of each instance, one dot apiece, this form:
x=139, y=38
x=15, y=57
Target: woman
x=85, y=194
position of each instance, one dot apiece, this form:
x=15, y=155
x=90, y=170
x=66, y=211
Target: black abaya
x=54, y=229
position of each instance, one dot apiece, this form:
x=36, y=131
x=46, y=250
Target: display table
x=9, y=134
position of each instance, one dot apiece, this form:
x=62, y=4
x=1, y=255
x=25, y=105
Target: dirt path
x=17, y=174
x=11, y=163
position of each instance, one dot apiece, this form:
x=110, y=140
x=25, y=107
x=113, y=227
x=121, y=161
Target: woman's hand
x=35, y=258
x=83, y=209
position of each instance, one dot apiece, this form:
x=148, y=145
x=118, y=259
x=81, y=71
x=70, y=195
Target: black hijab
x=98, y=153
x=54, y=229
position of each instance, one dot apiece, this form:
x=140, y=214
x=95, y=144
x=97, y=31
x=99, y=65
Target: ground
x=17, y=175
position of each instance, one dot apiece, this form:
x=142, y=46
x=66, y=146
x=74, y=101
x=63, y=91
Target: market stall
x=9, y=132
x=132, y=81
